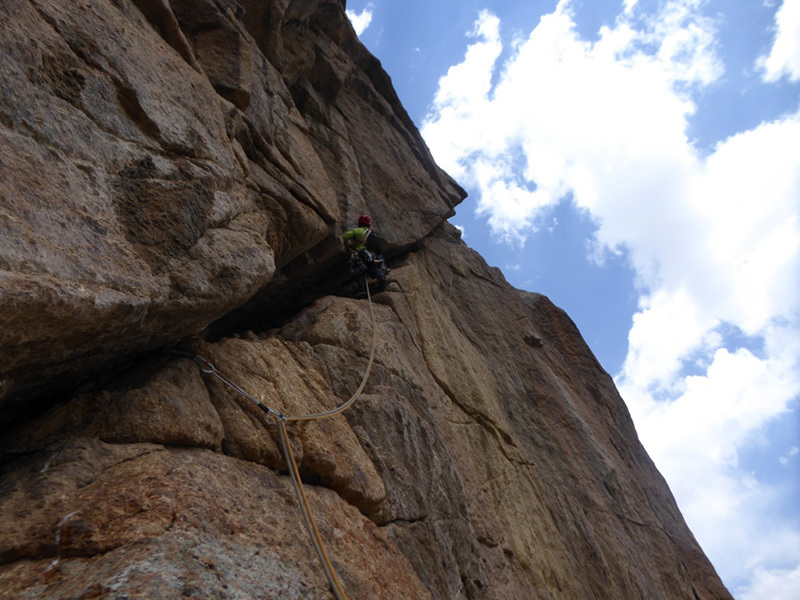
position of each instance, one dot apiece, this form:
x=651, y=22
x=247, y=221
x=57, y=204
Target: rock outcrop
x=160, y=168
x=176, y=174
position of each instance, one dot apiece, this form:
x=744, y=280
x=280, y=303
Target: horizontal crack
x=404, y=521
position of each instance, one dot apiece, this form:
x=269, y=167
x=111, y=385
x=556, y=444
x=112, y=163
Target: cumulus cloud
x=696, y=440
x=360, y=20
x=784, y=460
x=784, y=56
x=776, y=584
x=561, y=104
x=731, y=255
x=714, y=239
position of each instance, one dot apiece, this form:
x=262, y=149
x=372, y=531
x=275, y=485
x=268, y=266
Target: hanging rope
x=281, y=420
x=354, y=397
x=308, y=517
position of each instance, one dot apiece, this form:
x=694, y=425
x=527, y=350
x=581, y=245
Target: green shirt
x=354, y=235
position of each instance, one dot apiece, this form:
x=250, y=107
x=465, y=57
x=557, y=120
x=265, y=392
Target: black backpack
x=373, y=243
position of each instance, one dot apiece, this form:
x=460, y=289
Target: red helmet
x=365, y=221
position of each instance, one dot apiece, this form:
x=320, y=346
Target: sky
x=638, y=162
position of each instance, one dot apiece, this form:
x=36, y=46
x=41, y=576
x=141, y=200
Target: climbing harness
x=281, y=420
x=366, y=262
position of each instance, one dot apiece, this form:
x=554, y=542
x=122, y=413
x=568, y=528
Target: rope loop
x=281, y=421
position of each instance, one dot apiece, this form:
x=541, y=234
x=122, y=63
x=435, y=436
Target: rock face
x=176, y=171
x=161, y=166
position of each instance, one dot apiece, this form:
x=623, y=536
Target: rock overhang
x=167, y=163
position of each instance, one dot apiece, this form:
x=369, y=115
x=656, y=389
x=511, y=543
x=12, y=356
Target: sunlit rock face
x=176, y=174
x=164, y=162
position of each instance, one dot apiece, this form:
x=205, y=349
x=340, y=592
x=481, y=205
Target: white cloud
x=776, y=584
x=730, y=253
x=784, y=56
x=562, y=103
x=629, y=5
x=784, y=460
x=462, y=93
x=714, y=240
x=696, y=440
x=360, y=20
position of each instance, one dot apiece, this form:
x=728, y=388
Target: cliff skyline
x=651, y=169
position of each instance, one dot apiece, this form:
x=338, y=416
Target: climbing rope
x=354, y=397
x=308, y=517
x=281, y=420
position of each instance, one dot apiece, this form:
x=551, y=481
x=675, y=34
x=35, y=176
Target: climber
x=366, y=258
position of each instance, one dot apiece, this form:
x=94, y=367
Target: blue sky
x=638, y=161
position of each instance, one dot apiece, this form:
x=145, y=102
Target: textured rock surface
x=167, y=164
x=159, y=169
